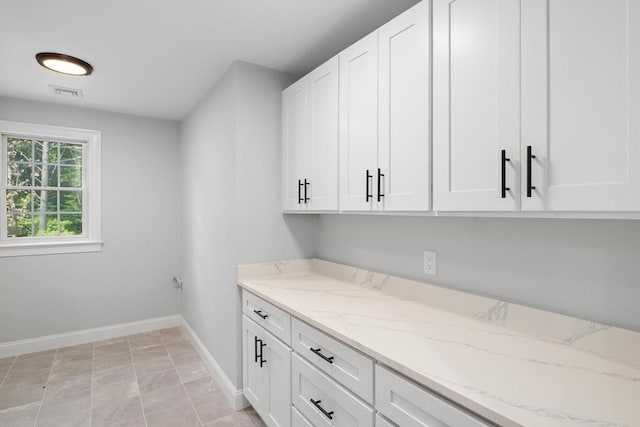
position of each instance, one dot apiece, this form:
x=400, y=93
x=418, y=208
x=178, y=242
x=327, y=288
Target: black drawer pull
x=368, y=196
x=317, y=352
x=317, y=403
x=259, y=313
x=255, y=348
x=503, y=169
x=299, y=191
x=530, y=157
x=262, y=361
x=306, y=199
x=380, y=193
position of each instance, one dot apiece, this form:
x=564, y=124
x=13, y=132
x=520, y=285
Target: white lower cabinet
x=299, y=420
x=410, y=405
x=266, y=374
x=383, y=422
x=323, y=401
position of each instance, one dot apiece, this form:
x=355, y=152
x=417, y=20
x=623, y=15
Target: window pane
x=19, y=150
x=71, y=201
x=46, y=152
x=47, y=225
x=19, y=201
x=70, y=176
x=49, y=200
x=70, y=154
x=70, y=224
x=19, y=174
x=19, y=225
x=50, y=172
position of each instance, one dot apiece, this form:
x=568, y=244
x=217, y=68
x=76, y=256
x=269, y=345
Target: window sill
x=49, y=248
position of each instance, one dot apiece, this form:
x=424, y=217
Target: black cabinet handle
x=259, y=313
x=262, y=361
x=299, y=192
x=306, y=199
x=368, y=176
x=380, y=193
x=316, y=403
x=318, y=352
x=255, y=349
x=503, y=164
x=530, y=157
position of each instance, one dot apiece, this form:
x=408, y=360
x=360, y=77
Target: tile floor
x=151, y=379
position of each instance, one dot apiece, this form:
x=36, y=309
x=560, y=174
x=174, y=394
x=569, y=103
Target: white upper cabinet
x=581, y=105
x=359, y=123
x=404, y=146
x=476, y=105
x=323, y=136
x=295, y=147
x=310, y=141
x=384, y=117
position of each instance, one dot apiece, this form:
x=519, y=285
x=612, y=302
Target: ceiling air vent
x=65, y=91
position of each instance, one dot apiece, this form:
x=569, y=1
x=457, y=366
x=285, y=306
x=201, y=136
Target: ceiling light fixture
x=64, y=64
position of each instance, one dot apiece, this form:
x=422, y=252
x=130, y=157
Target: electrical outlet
x=430, y=262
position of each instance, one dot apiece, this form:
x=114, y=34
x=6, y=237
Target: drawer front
x=267, y=315
x=383, y=422
x=341, y=408
x=344, y=364
x=409, y=405
x=298, y=420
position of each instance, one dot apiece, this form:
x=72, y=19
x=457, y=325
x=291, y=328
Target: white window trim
x=91, y=240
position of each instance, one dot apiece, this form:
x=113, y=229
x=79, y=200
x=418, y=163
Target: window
x=50, y=185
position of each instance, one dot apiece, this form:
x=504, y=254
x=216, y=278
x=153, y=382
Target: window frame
x=90, y=240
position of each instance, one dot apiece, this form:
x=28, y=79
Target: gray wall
x=231, y=198
x=584, y=268
x=131, y=278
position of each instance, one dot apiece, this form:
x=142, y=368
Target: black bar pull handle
x=530, y=157
x=368, y=196
x=306, y=199
x=262, y=346
x=316, y=403
x=261, y=314
x=255, y=348
x=380, y=192
x=299, y=191
x=503, y=164
x=318, y=352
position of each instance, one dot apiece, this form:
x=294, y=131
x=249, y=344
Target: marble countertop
x=509, y=377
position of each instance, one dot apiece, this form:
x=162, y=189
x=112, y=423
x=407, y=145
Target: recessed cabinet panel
x=581, y=103
x=295, y=149
x=404, y=146
x=476, y=104
x=323, y=129
x=358, y=123
x=267, y=315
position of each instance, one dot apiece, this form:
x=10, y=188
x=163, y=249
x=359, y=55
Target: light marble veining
x=476, y=351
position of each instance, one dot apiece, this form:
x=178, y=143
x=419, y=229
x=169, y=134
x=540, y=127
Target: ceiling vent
x=65, y=91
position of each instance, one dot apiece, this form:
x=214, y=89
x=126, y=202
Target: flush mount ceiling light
x=64, y=64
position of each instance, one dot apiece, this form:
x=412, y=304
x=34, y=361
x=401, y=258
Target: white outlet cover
x=430, y=262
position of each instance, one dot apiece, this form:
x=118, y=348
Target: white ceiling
x=157, y=58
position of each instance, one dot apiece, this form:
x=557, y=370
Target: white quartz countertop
x=508, y=377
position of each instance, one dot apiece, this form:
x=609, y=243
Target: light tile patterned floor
x=151, y=379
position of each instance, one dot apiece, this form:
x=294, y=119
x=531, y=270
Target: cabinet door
x=358, y=123
x=476, y=104
x=404, y=146
x=253, y=377
x=581, y=104
x=295, y=147
x=323, y=122
x=277, y=366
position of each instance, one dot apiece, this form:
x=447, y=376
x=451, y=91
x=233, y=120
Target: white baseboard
x=14, y=348
x=233, y=394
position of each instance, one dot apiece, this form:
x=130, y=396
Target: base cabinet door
x=266, y=376
x=581, y=105
x=277, y=363
x=323, y=401
x=253, y=378
x=383, y=422
x=299, y=420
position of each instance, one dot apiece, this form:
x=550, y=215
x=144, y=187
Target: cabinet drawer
x=341, y=408
x=409, y=405
x=342, y=363
x=267, y=315
x=383, y=422
x=298, y=420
